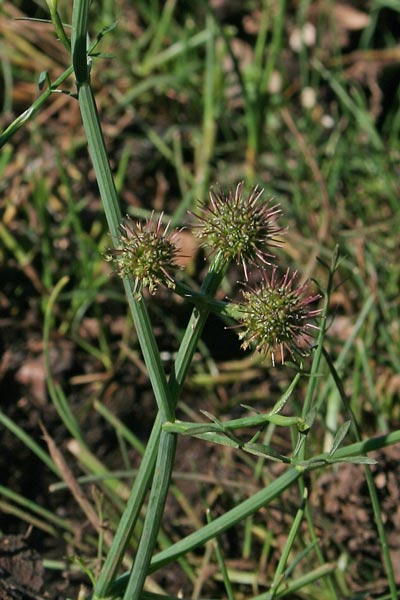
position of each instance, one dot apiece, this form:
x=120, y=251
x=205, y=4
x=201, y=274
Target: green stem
x=32, y=110
x=219, y=525
x=58, y=26
x=109, y=197
x=308, y=405
x=279, y=571
x=141, y=320
x=131, y=513
x=80, y=18
x=195, y=327
x=108, y=193
x=183, y=360
x=154, y=513
x=253, y=504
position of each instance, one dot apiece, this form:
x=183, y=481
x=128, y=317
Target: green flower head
x=276, y=316
x=242, y=228
x=146, y=252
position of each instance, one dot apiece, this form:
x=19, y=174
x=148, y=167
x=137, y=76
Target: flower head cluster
x=277, y=316
x=242, y=228
x=147, y=252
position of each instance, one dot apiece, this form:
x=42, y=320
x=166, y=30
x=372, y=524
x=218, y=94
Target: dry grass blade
x=74, y=487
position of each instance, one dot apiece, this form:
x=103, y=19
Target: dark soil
x=206, y=476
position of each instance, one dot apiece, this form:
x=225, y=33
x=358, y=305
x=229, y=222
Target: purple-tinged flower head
x=242, y=228
x=277, y=316
x=147, y=252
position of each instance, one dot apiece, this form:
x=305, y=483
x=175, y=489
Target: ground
x=336, y=184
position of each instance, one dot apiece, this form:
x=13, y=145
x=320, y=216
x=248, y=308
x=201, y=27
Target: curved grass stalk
x=279, y=575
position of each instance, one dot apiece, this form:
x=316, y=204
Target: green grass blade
x=219, y=525
x=130, y=514
x=222, y=564
x=278, y=575
x=370, y=483
x=46, y=514
x=29, y=442
x=32, y=110
x=154, y=513
x=56, y=394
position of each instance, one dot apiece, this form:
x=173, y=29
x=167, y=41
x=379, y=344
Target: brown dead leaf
x=350, y=18
x=74, y=487
x=32, y=374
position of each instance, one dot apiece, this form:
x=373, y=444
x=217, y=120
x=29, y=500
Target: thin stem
x=370, y=481
x=279, y=571
x=131, y=513
x=34, y=108
x=80, y=18
x=253, y=504
x=219, y=525
x=143, y=327
x=58, y=26
x=195, y=326
x=154, y=513
x=308, y=405
x=183, y=360
x=109, y=198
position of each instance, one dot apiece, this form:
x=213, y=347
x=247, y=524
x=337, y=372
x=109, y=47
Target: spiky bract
x=242, y=228
x=147, y=252
x=276, y=316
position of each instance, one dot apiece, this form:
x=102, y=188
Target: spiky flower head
x=277, y=316
x=243, y=228
x=147, y=252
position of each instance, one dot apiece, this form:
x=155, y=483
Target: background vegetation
x=300, y=97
